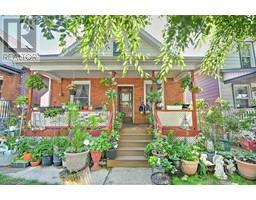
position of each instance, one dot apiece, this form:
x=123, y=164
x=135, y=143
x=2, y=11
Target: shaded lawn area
x=7, y=180
x=210, y=180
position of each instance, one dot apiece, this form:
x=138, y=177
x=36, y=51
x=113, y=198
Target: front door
x=125, y=102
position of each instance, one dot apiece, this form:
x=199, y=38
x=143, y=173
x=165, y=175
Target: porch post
x=194, y=115
x=30, y=98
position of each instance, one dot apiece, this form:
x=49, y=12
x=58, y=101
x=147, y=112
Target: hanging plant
x=35, y=82
x=186, y=82
x=107, y=82
x=195, y=89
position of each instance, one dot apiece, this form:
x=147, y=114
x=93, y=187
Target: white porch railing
x=40, y=122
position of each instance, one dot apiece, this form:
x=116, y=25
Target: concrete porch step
x=130, y=151
x=128, y=161
x=134, y=136
x=133, y=143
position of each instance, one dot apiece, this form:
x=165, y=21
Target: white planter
x=76, y=161
x=174, y=107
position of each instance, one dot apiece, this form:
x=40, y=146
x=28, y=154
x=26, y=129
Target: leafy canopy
x=93, y=33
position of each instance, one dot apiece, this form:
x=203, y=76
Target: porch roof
x=242, y=75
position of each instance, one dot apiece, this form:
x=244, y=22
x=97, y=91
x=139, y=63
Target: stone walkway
x=114, y=176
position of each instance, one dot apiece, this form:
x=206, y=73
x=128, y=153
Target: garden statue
x=219, y=167
x=203, y=157
x=209, y=146
x=231, y=168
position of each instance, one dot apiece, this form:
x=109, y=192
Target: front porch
x=131, y=97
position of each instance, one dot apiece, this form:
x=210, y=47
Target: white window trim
x=133, y=103
x=147, y=82
x=84, y=83
x=249, y=92
x=252, y=56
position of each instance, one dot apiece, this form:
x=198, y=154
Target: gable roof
x=144, y=34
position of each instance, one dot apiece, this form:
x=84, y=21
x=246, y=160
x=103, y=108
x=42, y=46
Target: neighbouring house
x=237, y=84
x=65, y=68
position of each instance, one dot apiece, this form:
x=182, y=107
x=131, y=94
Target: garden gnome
x=203, y=157
x=219, y=167
x=231, y=168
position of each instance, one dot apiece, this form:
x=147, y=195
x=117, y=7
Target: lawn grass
x=240, y=180
x=210, y=179
x=7, y=180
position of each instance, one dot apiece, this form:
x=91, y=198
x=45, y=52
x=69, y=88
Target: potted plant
x=60, y=144
x=195, y=89
x=25, y=147
x=19, y=163
x=189, y=162
x=36, y=157
x=46, y=147
x=246, y=164
x=35, y=81
x=35, y=107
x=113, y=139
x=98, y=146
x=76, y=156
x=93, y=125
x=162, y=170
x=72, y=89
x=186, y=82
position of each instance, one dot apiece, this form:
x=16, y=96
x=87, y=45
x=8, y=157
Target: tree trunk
x=82, y=177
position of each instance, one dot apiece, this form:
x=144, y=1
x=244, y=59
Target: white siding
x=146, y=49
x=226, y=92
x=232, y=60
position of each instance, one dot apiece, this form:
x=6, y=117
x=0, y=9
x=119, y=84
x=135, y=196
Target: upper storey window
x=247, y=55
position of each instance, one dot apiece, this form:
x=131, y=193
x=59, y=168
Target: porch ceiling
x=73, y=74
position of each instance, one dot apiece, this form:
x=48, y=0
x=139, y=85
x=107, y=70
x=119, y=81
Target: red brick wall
x=60, y=93
x=11, y=85
x=173, y=92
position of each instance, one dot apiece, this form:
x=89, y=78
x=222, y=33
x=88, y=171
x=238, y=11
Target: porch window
x=148, y=88
x=247, y=55
x=242, y=96
x=83, y=91
x=116, y=51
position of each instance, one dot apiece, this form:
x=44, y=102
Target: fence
x=5, y=107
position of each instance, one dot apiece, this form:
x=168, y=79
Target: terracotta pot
x=246, y=170
x=189, y=167
x=76, y=161
x=27, y=156
x=96, y=156
x=95, y=133
x=35, y=163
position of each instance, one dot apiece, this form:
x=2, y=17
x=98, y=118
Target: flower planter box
x=248, y=144
x=20, y=164
x=172, y=107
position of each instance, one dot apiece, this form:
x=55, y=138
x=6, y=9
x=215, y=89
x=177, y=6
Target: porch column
x=194, y=115
x=30, y=99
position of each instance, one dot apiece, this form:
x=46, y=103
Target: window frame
x=252, y=57
x=249, y=94
x=149, y=82
x=85, y=82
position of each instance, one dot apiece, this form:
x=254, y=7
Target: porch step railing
x=5, y=107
